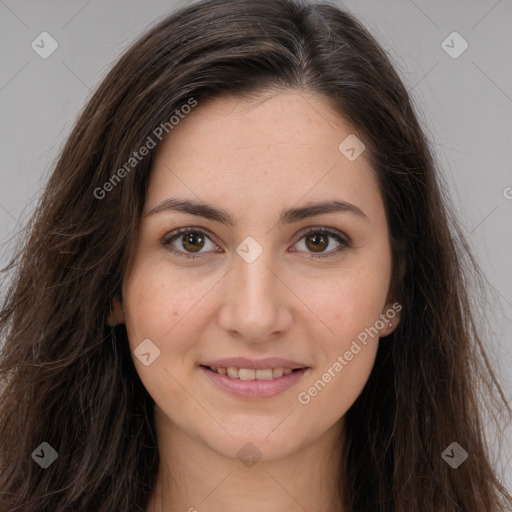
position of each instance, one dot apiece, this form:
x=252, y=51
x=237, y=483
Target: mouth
x=251, y=383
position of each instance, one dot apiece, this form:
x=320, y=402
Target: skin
x=254, y=158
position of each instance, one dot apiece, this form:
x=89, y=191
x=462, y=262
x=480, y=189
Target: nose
x=256, y=301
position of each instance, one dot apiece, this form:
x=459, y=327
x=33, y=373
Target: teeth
x=232, y=372
x=245, y=374
x=277, y=372
x=250, y=374
x=262, y=374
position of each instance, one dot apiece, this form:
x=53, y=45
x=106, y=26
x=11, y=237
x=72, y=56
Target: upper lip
x=254, y=364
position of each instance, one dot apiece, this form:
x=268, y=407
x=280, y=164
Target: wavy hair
x=68, y=381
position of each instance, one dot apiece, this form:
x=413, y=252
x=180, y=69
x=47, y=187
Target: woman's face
x=261, y=287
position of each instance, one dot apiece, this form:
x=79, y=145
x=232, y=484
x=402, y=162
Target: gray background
x=465, y=104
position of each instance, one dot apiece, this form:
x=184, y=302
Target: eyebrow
x=287, y=216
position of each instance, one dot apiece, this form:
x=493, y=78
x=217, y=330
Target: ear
x=116, y=315
x=390, y=317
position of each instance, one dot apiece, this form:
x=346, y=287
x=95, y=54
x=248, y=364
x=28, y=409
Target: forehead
x=283, y=146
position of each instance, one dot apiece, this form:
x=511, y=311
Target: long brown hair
x=69, y=382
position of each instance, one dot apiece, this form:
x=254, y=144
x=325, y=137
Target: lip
x=254, y=389
x=254, y=364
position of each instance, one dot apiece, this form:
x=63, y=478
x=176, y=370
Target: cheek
x=163, y=307
x=347, y=354
x=349, y=301
x=334, y=388
x=161, y=304
x=350, y=304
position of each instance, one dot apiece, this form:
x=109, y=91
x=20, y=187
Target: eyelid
x=344, y=240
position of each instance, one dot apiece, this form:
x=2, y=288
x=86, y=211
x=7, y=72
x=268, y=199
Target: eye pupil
x=192, y=239
x=318, y=241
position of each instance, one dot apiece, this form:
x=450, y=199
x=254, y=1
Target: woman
x=242, y=288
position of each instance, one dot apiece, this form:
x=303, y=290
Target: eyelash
x=321, y=230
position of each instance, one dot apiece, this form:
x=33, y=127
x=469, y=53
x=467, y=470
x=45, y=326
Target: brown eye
x=193, y=241
x=317, y=242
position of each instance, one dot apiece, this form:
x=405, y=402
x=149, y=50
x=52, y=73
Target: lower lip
x=254, y=388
